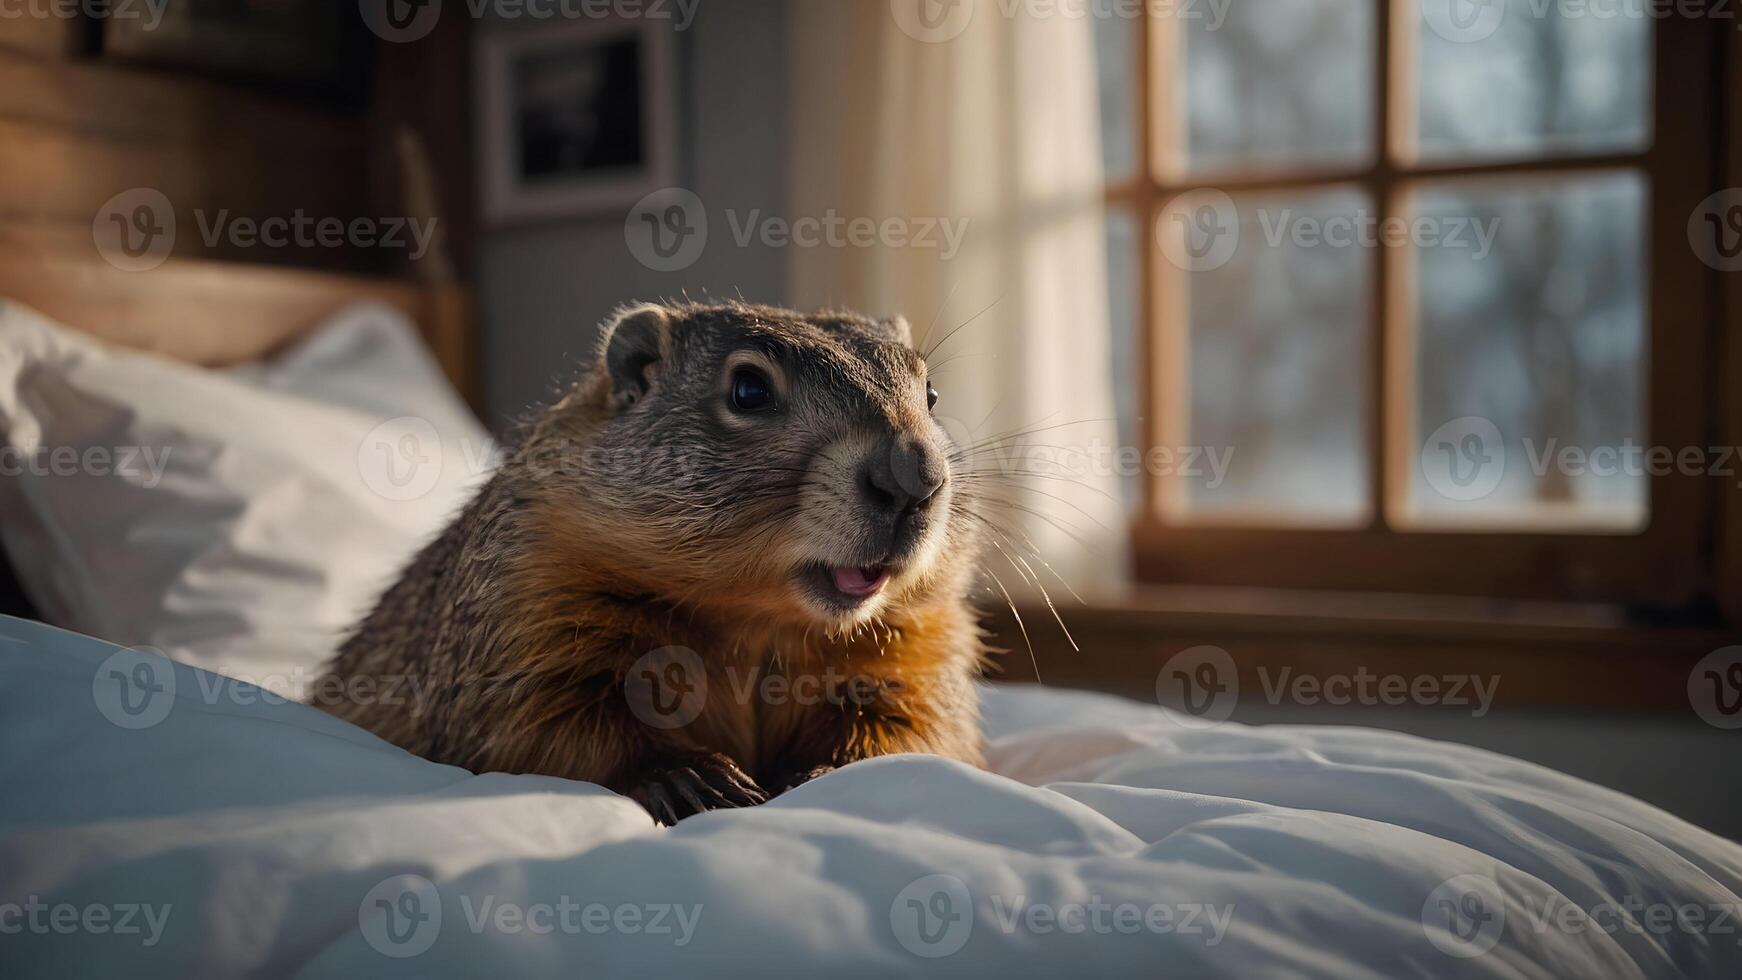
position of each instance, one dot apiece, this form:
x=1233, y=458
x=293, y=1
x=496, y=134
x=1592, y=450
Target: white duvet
x=163, y=821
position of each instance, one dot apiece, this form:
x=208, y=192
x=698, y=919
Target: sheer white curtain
x=991, y=126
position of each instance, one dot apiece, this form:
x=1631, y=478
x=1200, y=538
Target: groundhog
x=729, y=559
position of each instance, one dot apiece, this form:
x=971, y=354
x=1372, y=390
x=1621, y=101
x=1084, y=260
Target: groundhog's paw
x=688, y=784
x=798, y=779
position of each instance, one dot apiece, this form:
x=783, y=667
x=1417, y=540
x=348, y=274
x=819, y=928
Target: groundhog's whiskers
x=1014, y=556
x=934, y=348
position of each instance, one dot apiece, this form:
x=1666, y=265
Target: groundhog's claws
x=800, y=778
x=694, y=784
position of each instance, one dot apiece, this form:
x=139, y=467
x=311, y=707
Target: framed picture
x=574, y=120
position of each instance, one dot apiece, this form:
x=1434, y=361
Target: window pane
x=1503, y=78
x=1124, y=260
x=1114, y=44
x=1530, y=356
x=1277, y=340
x=1278, y=85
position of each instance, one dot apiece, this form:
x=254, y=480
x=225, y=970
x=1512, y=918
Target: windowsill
x=1363, y=607
x=1586, y=657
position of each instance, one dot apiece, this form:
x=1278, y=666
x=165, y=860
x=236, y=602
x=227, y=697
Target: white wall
x=543, y=289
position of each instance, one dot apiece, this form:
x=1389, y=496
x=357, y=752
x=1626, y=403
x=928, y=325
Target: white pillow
x=237, y=520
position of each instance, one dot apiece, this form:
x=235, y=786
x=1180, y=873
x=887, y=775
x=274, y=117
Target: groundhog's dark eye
x=751, y=392
x=931, y=397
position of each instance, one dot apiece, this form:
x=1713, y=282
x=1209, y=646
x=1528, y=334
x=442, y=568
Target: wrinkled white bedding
x=160, y=821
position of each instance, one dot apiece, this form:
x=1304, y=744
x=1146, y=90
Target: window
x=1420, y=273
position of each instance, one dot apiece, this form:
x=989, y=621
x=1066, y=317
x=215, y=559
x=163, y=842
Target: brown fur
x=641, y=513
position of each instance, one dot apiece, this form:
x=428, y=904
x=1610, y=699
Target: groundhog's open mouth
x=846, y=587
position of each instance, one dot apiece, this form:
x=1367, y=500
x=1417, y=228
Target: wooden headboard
x=215, y=313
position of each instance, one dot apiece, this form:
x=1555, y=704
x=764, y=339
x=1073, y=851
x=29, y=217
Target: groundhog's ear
x=898, y=329
x=637, y=341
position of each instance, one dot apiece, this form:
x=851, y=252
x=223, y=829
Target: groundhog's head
x=763, y=461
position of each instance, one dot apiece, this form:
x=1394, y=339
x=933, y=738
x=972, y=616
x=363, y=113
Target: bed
x=172, y=810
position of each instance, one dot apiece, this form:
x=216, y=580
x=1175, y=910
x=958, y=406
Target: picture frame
x=575, y=119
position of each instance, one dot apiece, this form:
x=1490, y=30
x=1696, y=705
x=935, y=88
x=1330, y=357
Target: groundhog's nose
x=905, y=475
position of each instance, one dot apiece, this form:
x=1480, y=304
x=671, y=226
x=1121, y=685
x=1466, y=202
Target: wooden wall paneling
x=39, y=36
x=425, y=87
x=74, y=135
x=1729, y=323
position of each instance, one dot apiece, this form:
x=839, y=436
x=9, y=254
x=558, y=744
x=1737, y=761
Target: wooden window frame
x=1670, y=563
